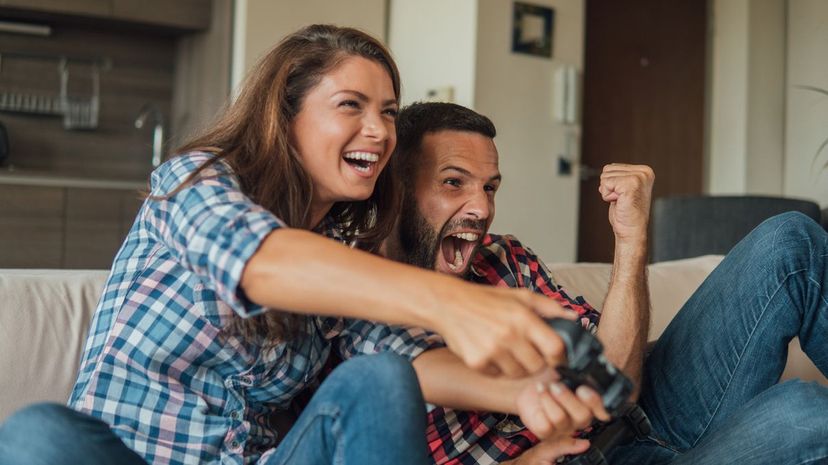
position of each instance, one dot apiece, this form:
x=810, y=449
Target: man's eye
x=452, y=182
x=490, y=188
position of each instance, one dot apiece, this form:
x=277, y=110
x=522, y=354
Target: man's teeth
x=471, y=237
x=364, y=156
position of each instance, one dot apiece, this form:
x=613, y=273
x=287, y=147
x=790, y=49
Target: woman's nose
x=374, y=128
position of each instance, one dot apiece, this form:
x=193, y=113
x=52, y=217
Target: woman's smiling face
x=345, y=132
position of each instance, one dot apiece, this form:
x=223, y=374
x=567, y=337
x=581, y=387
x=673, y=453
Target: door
x=644, y=82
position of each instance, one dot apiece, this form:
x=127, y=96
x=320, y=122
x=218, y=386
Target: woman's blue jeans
x=710, y=384
x=368, y=411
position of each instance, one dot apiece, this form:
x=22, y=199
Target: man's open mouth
x=363, y=162
x=457, y=249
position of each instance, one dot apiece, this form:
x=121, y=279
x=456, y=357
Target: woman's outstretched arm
x=493, y=330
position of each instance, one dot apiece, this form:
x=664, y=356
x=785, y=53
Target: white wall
x=766, y=97
x=745, y=155
x=260, y=24
x=434, y=42
x=515, y=91
x=728, y=125
x=765, y=131
x=807, y=113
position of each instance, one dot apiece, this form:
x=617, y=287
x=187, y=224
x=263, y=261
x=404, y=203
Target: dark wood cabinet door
x=31, y=226
x=180, y=14
x=93, y=228
x=72, y=7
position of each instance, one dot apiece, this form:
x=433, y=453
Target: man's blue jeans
x=368, y=411
x=710, y=384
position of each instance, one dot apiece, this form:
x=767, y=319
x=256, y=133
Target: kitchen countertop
x=27, y=177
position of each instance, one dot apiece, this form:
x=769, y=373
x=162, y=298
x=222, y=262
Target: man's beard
x=418, y=240
x=420, y=243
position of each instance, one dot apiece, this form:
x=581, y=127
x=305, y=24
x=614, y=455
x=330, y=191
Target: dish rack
x=78, y=111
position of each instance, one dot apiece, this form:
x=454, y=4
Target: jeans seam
x=813, y=460
x=742, y=353
x=819, y=289
x=333, y=414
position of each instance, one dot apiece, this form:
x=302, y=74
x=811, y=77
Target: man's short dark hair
x=421, y=118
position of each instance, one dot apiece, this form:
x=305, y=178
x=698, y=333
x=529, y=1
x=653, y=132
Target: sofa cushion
x=43, y=325
x=671, y=284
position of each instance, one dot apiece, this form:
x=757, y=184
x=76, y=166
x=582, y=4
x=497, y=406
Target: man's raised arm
x=625, y=318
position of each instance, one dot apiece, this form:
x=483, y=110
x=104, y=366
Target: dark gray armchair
x=684, y=227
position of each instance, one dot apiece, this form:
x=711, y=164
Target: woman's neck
x=318, y=212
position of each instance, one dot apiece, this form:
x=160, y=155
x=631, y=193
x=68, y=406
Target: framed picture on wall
x=532, y=28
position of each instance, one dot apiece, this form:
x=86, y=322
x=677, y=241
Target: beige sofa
x=44, y=317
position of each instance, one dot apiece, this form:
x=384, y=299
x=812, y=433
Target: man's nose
x=478, y=205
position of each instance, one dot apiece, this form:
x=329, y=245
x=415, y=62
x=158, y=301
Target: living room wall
x=806, y=122
x=764, y=129
x=260, y=24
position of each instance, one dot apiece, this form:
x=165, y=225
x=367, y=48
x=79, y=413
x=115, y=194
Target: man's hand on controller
x=552, y=411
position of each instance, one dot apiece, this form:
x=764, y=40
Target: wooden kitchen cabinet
x=175, y=15
x=73, y=7
x=93, y=228
x=63, y=227
x=31, y=226
x=180, y=14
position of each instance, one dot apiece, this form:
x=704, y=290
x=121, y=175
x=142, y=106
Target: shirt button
x=234, y=415
x=234, y=445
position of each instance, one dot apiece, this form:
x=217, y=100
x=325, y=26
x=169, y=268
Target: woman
x=187, y=356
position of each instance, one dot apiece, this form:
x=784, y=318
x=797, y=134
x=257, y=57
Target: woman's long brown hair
x=253, y=137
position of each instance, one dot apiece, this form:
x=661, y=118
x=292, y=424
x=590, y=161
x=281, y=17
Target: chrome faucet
x=150, y=110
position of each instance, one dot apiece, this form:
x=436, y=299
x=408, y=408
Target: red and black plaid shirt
x=478, y=438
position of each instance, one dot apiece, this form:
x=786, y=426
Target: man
x=709, y=385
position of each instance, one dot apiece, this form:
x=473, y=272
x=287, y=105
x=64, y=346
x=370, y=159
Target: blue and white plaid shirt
x=158, y=366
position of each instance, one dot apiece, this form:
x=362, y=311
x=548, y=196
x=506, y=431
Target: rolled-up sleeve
x=209, y=226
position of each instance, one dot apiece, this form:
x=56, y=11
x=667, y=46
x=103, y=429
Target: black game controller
x=587, y=365
x=631, y=423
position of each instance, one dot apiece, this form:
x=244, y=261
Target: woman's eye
x=490, y=188
x=392, y=112
x=454, y=182
x=349, y=103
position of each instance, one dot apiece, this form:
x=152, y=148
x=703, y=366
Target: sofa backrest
x=45, y=315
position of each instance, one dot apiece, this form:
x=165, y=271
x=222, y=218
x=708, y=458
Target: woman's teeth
x=361, y=161
x=363, y=156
